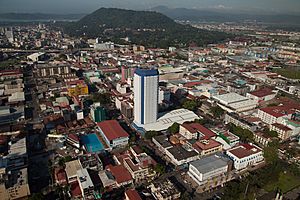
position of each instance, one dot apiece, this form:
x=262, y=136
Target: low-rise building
x=114, y=135
x=209, y=167
x=261, y=138
x=180, y=155
x=162, y=143
x=263, y=94
x=195, y=131
x=274, y=114
x=207, y=147
x=233, y=102
x=138, y=163
x=164, y=190
x=283, y=131
x=239, y=121
x=245, y=155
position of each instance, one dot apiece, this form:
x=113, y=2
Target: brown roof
x=112, y=129
x=132, y=194
x=281, y=126
x=262, y=92
x=244, y=150
x=120, y=173
x=196, y=127
x=205, y=146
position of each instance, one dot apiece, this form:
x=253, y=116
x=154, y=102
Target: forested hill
x=147, y=28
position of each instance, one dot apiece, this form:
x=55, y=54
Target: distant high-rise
x=145, y=96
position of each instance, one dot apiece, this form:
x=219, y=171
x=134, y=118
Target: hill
x=226, y=16
x=147, y=28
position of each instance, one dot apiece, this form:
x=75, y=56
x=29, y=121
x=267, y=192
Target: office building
x=145, y=96
x=97, y=113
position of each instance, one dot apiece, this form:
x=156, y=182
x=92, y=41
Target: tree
x=103, y=98
x=174, y=128
x=217, y=111
x=271, y=133
x=189, y=104
x=159, y=168
x=244, y=134
x=271, y=152
x=201, y=121
x=150, y=134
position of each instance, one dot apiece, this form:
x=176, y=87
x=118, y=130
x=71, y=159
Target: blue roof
x=146, y=72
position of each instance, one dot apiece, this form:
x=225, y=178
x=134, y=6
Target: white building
x=114, y=135
x=275, y=114
x=208, y=168
x=145, y=96
x=245, y=155
x=233, y=102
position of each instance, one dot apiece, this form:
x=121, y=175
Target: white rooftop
x=167, y=119
x=84, y=178
x=230, y=98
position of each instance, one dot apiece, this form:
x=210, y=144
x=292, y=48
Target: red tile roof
x=60, y=176
x=278, y=111
x=112, y=129
x=75, y=189
x=196, y=127
x=120, y=173
x=192, y=84
x=73, y=137
x=205, y=146
x=244, y=150
x=132, y=194
x=263, y=92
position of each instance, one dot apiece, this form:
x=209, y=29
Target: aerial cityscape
x=154, y=100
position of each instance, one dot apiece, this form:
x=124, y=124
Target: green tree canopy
x=217, y=111
x=244, y=134
x=271, y=152
x=159, y=168
x=189, y=104
x=174, y=128
x=150, y=134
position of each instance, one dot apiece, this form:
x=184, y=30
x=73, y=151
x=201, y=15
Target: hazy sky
x=87, y=6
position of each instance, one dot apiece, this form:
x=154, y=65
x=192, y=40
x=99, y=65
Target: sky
x=88, y=6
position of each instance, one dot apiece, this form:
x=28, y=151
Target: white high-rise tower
x=145, y=96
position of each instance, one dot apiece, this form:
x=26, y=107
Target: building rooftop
x=278, y=111
x=206, y=144
x=180, y=153
x=72, y=167
x=112, y=129
x=244, y=150
x=210, y=163
x=166, y=120
x=163, y=141
x=281, y=127
x=146, y=72
x=262, y=92
x=204, y=132
x=132, y=194
x=84, y=178
x=120, y=173
x=230, y=98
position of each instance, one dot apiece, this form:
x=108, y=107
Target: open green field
x=286, y=183
x=288, y=73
